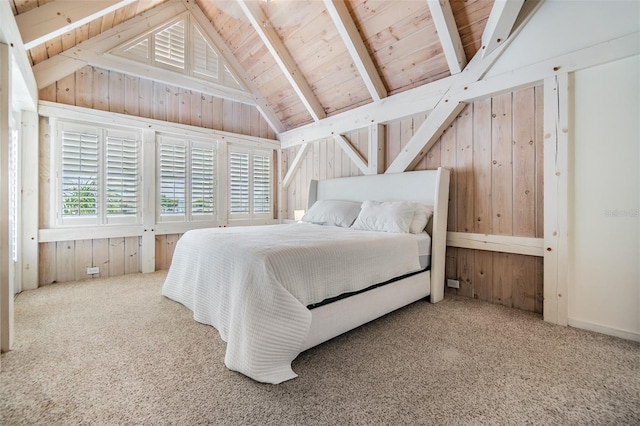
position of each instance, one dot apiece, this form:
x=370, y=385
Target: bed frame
x=429, y=187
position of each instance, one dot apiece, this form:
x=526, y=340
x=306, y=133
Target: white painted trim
x=354, y=155
x=52, y=20
x=10, y=35
x=448, y=33
x=283, y=58
x=147, y=257
x=6, y=293
x=260, y=102
x=30, y=200
x=556, y=172
x=499, y=24
x=88, y=233
x=295, y=164
x=356, y=48
x=603, y=329
x=52, y=109
x=500, y=243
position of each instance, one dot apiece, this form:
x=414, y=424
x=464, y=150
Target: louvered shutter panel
x=122, y=176
x=205, y=59
x=172, y=178
x=170, y=45
x=203, y=172
x=230, y=79
x=139, y=50
x=238, y=182
x=79, y=174
x=261, y=184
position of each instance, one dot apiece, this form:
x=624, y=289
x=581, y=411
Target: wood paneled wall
x=112, y=91
x=68, y=260
x=101, y=89
x=494, y=149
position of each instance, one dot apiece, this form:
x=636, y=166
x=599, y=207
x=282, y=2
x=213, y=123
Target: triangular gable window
x=167, y=47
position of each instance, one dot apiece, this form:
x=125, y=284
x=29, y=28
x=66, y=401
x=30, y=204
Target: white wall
x=604, y=270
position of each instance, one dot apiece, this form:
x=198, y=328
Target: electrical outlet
x=453, y=283
x=93, y=270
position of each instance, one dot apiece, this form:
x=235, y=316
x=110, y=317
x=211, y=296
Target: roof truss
x=448, y=33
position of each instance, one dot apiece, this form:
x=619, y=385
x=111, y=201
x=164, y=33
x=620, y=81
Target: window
x=99, y=175
x=250, y=188
x=186, y=179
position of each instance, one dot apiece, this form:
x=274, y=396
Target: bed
x=275, y=291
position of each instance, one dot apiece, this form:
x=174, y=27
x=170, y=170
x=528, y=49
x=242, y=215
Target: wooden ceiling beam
x=281, y=55
x=448, y=33
x=355, y=46
x=54, y=19
x=499, y=24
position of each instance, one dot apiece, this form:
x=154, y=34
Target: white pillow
x=388, y=216
x=421, y=217
x=332, y=212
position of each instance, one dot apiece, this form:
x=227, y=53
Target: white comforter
x=253, y=284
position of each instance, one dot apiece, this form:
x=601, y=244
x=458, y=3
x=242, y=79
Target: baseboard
x=598, y=328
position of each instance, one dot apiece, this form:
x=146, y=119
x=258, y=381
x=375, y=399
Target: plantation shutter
x=79, y=174
x=238, y=182
x=139, y=51
x=172, y=170
x=205, y=59
x=122, y=176
x=203, y=172
x=261, y=184
x=170, y=45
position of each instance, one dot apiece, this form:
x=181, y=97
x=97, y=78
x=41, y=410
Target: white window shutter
x=170, y=45
x=203, y=182
x=261, y=183
x=79, y=174
x=122, y=176
x=172, y=169
x=205, y=59
x=238, y=182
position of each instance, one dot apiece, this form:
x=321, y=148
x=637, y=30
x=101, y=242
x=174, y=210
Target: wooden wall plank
x=482, y=167
x=131, y=95
x=116, y=256
x=502, y=171
x=65, y=260
x=66, y=90
x=172, y=102
x=131, y=259
x=47, y=264
x=101, y=256
x=502, y=279
x=171, y=241
x=100, y=90
x=159, y=108
x=524, y=282
x=161, y=252
x=84, y=87
x=83, y=259
x=116, y=92
x=483, y=275
x=448, y=160
x=539, y=142
x=185, y=106
x=465, y=260
x=196, y=109
x=524, y=163
x=464, y=171
x=146, y=98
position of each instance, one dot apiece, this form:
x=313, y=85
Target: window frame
x=189, y=142
x=102, y=131
x=252, y=152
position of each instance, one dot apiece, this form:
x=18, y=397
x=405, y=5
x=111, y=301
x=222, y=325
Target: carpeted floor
x=114, y=351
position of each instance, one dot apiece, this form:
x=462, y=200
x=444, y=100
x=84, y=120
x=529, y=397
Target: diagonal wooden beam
x=451, y=104
x=449, y=36
x=499, y=24
x=54, y=19
x=354, y=155
x=288, y=177
x=283, y=58
x=358, y=51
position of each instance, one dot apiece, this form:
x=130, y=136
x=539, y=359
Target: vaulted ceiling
x=304, y=60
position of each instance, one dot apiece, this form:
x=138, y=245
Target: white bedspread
x=253, y=284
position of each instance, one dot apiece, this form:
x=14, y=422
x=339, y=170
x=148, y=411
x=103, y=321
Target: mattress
x=424, y=249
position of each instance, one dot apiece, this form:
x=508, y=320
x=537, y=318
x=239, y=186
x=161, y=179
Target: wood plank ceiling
x=400, y=38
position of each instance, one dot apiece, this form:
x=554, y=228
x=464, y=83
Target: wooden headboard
x=425, y=186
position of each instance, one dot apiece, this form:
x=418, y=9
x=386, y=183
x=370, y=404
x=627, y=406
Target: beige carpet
x=114, y=351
